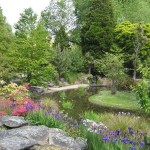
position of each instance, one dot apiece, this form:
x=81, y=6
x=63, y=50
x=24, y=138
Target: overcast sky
x=12, y=8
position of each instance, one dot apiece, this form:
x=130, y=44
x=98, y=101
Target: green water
x=79, y=99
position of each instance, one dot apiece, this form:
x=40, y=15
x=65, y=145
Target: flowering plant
x=15, y=100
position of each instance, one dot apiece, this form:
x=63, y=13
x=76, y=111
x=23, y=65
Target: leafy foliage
x=6, y=40
x=128, y=38
x=112, y=67
x=33, y=49
x=97, y=30
x=132, y=10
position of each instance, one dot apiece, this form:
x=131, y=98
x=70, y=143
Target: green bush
x=81, y=91
x=91, y=115
x=67, y=105
x=125, y=83
x=90, y=78
x=142, y=91
x=70, y=77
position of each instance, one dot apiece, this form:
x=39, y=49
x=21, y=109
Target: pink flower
x=2, y=113
x=19, y=111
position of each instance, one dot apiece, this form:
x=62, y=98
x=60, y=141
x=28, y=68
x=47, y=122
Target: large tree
x=97, y=30
x=59, y=20
x=33, y=49
x=6, y=39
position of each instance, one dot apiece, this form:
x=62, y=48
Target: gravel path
x=54, y=89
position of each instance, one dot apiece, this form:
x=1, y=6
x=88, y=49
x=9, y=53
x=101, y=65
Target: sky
x=13, y=8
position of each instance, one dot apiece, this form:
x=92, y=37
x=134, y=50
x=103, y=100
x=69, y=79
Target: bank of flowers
x=15, y=100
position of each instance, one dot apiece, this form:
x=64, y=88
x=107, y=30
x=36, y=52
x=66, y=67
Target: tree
x=97, y=30
x=142, y=89
x=112, y=67
x=139, y=41
x=134, y=41
x=6, y=40
x=59, y=14
x=33, y=49
x=61, y=39
x=132, y=10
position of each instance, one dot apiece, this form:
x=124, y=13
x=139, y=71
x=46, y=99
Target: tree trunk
x=113, y=87
x=134, y=74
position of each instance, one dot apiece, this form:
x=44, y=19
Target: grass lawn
x=121, y=99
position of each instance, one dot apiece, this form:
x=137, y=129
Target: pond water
x=79, y=99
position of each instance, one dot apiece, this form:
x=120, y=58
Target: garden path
x=69, y=87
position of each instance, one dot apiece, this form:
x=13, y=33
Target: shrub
x=91, y=115
x=71, y=77
x=125, y=83
x=67, y=105
x=90, y=78
x=50, y=103
x=15, y=100
x=81, y=91
x=142, y=91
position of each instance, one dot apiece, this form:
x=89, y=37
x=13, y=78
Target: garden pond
x=80, y=103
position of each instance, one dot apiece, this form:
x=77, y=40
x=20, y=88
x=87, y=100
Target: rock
x=59, y=138
x=94, y=126
x=48, y=147
x=37, y=90
x=13, y=121
x=37, y=133
x=16, y=143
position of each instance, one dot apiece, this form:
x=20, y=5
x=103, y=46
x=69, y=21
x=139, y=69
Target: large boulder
x=13, y=121
x=60, y=138
x=37, y=133
x=16, y=143
x=35, y=137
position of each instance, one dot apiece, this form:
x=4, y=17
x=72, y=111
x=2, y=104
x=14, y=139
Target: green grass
x=125, y=100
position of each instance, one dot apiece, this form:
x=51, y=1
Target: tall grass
x=123, y=121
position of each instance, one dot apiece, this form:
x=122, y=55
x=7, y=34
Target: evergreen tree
x=61, y=39
x=97, y=31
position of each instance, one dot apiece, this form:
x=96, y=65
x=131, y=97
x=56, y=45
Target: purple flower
x=124, y=140
x=105, y=139
x=132, y=148
x=115, y=140
x=142, y=144
x=117, y=132
x=129, y=129
x=132, y=142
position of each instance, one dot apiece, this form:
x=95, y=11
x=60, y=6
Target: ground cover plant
x=126, y=100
